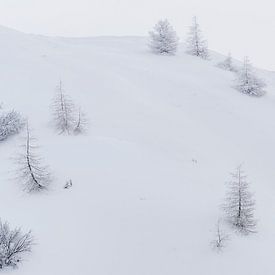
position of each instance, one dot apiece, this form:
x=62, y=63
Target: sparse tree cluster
x=65, y=117
x=10, y=123
x=31, y=173
x=14, y=244
x=163, y=38
x=247, y=82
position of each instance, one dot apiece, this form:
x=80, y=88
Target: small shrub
x=10, y=123
x=13, y=245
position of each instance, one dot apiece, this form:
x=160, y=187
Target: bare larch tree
x=239, y=204
x=196, y=45
x=33, y=175
x=63, y=111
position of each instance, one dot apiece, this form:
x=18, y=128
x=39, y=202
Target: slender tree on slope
x=227, y=64
x=163, y=38
x=81, y=124
x=239, y=204
x=196, y=45
x=33, y=175
x=220, y=237
x=247, y=82
x=63, y=111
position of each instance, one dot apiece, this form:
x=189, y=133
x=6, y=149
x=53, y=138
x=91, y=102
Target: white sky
x=244, y=27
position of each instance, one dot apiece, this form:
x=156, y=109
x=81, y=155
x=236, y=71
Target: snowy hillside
x=149, y=176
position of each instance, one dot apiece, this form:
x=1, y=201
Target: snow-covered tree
x=220, y=239
x=63, y=111
x=239, y=204
x=10, y=123
x=163, y=38
x=13, y=245
x=247, y=82
x=81, y=124
x=227, y=64
x=31, y=173
x=195, y=43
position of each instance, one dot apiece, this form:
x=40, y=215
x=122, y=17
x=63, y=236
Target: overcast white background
x=241, y=26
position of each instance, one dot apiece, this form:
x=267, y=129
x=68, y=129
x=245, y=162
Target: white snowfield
x=150, y=175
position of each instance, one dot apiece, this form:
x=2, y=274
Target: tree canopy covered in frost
x=13, y=245
x=10, y=123
x=163, y=38
x=227, y=64
x=65, y=117
x=239, y=204
x=247, y=82
x=63, y=111
x=195, y=43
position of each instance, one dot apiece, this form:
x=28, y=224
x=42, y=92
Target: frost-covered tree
x=163, y=38
x=227, y=64
x=220, y=239
x=239, y=204
x=14, y=244
x=31, y=173
x=195, y=43
x=81, y=124
x=247, y=82
x=10, y=123
x=63, y=111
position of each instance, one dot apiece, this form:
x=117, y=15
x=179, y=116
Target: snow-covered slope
x=149, y=177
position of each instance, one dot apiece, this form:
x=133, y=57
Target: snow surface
x=149, y=177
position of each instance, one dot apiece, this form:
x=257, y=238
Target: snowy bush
x=247, y=82
x=163, y=38
x=195, y=43
x=13, y=245
x=10, y=123
x=227, y=64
